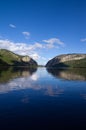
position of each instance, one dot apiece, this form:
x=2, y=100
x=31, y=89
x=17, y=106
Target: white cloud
x=26, y=34
x=83, y=40
x=52, y=41
x=38, y=45
x=21, y=48
x=35, y=56
x=49, y=58
x=12, y=25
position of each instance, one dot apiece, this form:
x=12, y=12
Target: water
x=42, y=99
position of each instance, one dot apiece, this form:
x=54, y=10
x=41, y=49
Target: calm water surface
x=42, y=99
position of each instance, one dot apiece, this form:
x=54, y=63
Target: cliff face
x=25, y=59
x=11, y=59
x=67, y=60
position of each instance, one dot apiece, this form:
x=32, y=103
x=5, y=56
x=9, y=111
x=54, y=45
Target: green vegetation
x=8, y=58
x=72, y=64
x=76, y=63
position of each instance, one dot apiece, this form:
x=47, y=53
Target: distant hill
x=68, y=60
x=8, y=58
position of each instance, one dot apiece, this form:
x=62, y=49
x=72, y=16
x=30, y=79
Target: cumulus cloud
x=21, y=48
x=52, y=41
x=35, y=56
x=26, y=34
x=83, y=40
x=12, y=26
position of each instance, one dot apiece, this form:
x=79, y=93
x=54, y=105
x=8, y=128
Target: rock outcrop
x=8, y=58
x=25, y=59
x=68, y=60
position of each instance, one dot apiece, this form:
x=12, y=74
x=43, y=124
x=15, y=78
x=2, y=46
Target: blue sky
x=43, y=29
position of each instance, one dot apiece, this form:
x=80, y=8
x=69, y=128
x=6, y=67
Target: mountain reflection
x=10, y=73
x=23, y=78
x=69, y=74
x=16, y=78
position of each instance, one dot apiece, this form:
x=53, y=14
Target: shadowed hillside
x=8, y=58
x=68, y=60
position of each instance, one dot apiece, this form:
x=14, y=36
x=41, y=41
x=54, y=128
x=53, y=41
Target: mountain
x=68, y=60
x=8, y=58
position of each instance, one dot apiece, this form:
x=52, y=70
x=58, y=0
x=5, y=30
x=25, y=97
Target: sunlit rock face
x=69, y=57
x=66, y=60
x=26, y=59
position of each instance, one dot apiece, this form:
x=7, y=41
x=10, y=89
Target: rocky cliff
x=68, y=60
x=8, y=58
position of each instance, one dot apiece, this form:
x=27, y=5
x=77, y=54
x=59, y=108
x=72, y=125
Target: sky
x=43, y=29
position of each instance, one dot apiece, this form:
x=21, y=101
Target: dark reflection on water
x=40, y=99
x=69, y=74
x=13, y=72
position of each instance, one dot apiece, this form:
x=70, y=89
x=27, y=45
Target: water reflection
x=83, y=96
x=23, y=78
x=56, y=91
x=69, y=74
x=15, y=78
x=37, y=79
x=25, y=99
x=7, y=74
x=36, y=98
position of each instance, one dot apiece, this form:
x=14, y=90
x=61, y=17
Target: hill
x=68, y=60
x=8, y=58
